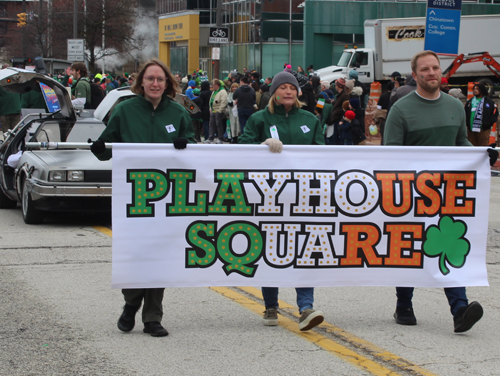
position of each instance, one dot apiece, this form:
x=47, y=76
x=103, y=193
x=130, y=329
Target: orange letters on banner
x=388, y=181
x=429, y=193
x=398, y=243
x=454, y=193
x=360, y=237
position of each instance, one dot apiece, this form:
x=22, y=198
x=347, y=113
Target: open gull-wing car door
x=16, y=80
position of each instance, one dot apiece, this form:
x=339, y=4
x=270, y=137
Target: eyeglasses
x=151, y=79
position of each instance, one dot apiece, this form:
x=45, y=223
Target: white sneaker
x=219, y=142
x=208, y=141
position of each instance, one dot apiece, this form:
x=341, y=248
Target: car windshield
x=68, y=132
x=344, y=59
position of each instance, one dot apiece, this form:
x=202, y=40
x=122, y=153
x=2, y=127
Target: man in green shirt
x=80, y=88
x=429, y=117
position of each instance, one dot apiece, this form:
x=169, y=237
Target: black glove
x=97, y=147
x=493, y=156
x=182, y=142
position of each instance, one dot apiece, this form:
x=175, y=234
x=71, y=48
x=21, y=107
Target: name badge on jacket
x=305, y=129
x=274, y=132
x=170, y=128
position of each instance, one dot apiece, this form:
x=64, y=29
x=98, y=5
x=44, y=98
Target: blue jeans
x=457, y=298
x=305, y=297
x=243, y=115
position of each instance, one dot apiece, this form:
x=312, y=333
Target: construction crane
x=476, y=57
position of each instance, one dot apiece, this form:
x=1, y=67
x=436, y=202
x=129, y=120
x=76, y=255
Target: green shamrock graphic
x=447, y=241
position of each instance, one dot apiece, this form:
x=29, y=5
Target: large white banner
x=224, y=215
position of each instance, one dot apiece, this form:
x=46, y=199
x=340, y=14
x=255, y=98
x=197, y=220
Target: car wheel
x=6, y=202
x=31, y=215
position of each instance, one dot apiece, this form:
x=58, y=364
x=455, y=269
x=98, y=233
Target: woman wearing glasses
x=150, y=117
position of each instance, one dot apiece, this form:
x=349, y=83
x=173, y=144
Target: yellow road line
x=104, y=230
x=319, y=340
x=350, y=338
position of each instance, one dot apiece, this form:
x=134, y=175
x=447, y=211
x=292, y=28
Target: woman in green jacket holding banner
x=284, y=122
x=150, y=117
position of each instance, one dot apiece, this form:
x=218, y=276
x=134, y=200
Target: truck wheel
x=6, y=202
x=31, y=215
x=489, y=86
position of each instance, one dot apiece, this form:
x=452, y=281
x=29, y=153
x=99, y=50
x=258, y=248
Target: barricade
x=470, y=90
x=493, y=134
x=375, y=91
x=371, y=106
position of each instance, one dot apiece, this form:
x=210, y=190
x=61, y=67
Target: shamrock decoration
x=447, y=241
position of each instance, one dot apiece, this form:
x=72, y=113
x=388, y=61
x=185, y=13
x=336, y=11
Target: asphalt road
x=58, y=317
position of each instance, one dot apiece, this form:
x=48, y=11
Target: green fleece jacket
x=136, y=121
x=33, y=99
x=416, y=121
x=81, y=89
x=10, y=103
x=298, y=127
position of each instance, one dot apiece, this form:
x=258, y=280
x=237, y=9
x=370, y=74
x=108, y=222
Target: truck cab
x=360, y=59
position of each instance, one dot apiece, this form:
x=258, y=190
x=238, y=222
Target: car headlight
x=75, y=176
x=57, y=176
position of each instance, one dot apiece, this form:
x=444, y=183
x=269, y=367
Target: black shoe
x=155, y=329
x=405, y=316
x=466, y=317
x=126, y=321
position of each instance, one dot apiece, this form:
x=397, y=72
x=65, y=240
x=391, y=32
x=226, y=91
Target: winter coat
x=338, y=111
x=298, y=127
x=308, y=98
x=205, y=95
x=136, y=121
x=490, y=113
x=245, y=96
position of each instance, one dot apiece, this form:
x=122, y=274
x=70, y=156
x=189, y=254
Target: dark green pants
x=152, y=309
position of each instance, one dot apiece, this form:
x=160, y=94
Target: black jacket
x=96, y=95
x=204, y=96
x=308, y=98
x=245, y=96
x=338, y=111
x=490, y=113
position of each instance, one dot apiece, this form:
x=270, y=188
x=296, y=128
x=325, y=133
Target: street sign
x=442, y=27
x=219, y=35
x=76, y=50
x=215, y=53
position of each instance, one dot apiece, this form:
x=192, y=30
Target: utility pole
x=218, y=23
x=24, y=32
x=75, y=19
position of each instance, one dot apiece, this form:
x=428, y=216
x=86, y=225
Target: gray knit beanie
x=283, y=78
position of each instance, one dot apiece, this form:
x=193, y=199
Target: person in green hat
x=109, y=84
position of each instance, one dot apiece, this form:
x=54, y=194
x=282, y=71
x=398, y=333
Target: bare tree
x=114, y=18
